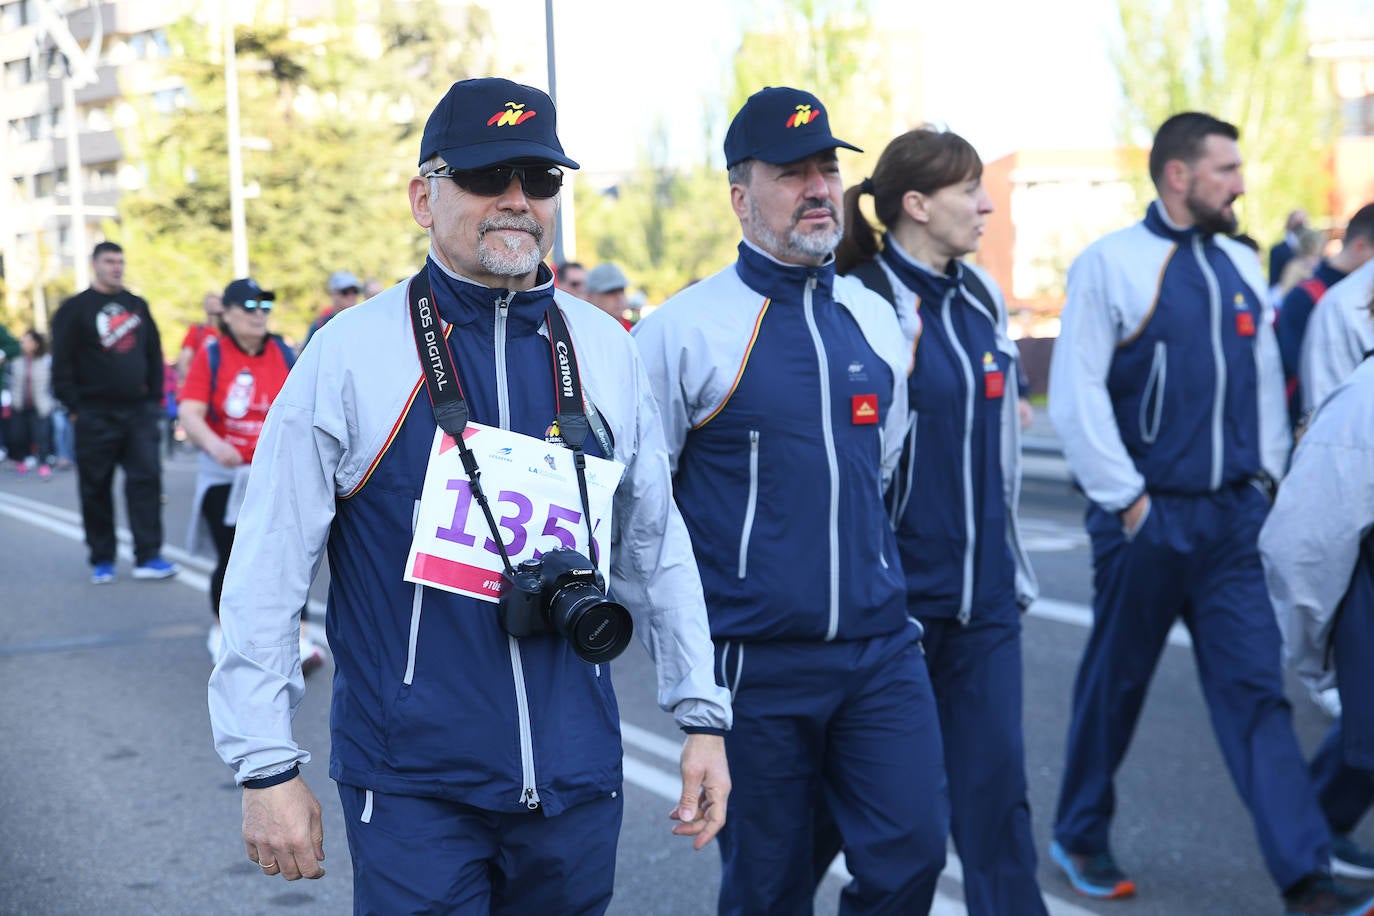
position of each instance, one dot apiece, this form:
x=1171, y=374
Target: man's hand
x=705, y=789
x=1133, y=516
x=282, y=830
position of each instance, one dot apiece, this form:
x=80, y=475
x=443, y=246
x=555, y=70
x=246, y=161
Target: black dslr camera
x=562, y=593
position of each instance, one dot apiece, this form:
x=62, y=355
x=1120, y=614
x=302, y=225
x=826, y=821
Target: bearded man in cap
x=783, y=390
x=478, y=761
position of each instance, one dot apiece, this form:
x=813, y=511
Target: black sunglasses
x=539, y=182
x=253, y=305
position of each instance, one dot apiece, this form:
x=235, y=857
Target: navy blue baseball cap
x=246, y=290
x=780, y=125
x=489, y=121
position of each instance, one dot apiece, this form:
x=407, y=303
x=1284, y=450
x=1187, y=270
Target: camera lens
x=599, y=630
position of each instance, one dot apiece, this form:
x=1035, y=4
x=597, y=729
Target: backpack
x=212, y=356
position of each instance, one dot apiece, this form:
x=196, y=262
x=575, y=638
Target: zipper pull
x=530, y=799
x=503, y=301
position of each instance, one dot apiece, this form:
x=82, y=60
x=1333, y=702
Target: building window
x=15, y=15
x=18, y=73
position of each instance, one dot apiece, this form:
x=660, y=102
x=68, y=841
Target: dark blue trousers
x=852, y=726
x=428, y=855
x=1346, y=792
x=976, y=673
x=1195, y=557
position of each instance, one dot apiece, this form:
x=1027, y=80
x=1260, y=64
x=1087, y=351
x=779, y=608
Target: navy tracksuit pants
x=976, y=672
x=429, y=855
x=852, y=725
x=1195, y=557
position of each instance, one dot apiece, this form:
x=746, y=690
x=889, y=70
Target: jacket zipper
x=832, y=462
x=529, y=795
x=966, y=587
x=751, y=504
x=1219, y=356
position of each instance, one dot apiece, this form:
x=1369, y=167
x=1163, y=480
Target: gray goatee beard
x=510, y=259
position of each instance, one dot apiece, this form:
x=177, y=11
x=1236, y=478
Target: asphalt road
x=113, y=801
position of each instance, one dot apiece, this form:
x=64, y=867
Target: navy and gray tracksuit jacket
x=955, y=495
x=783, y=390
x=1163, y=322
x=1318, y=551
x=431, y=697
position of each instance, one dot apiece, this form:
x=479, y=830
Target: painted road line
x=650, y=777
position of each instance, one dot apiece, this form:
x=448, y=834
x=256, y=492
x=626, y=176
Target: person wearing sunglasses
x=231, y=382
x=478, y=771
x=345, y=291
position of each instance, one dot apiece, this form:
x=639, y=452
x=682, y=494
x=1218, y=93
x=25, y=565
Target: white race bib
x=532, y=489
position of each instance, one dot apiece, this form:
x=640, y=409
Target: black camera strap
x=451, y=409
x=572, y=418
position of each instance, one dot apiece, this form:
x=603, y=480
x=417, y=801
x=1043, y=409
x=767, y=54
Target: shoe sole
x=1343, y=869
x=144, y=574
x=1125, y=888
x=102, y=580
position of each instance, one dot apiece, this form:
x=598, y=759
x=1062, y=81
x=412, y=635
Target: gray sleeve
x=1331, y=349
x=283, y=525
x=656, y=577
x=1311, y=540
x=1079, y=404
x=661, y=363
x=1275, y=433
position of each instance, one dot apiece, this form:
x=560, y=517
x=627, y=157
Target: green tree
x=1245, y=61
x=331, y=112
x=667, y=227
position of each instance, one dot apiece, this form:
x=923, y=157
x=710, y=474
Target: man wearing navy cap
x=479, y=771
x=783, y=390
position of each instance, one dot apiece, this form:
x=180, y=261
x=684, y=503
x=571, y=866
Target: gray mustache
x=523, y=223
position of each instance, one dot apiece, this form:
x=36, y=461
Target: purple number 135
x=521, y=512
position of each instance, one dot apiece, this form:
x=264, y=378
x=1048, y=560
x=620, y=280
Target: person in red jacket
x=232, y=381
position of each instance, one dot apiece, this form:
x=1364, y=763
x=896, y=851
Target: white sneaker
x=214, y=640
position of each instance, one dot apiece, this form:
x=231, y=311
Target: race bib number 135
x=532, y=489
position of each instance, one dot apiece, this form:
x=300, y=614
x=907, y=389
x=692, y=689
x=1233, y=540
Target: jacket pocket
x=751, y=504
x=1152, y=400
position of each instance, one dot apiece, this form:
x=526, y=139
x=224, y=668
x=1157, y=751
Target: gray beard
x=510, y=259
x=811, y=245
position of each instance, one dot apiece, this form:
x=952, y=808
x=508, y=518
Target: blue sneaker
x=1093, y=876
x=156, y=568
x=102, y=574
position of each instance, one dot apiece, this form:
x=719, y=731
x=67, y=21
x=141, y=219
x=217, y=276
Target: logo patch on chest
x=863, y=409
x=1245, y=319
x=994, y=382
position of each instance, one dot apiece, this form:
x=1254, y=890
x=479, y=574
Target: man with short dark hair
x=1357, y=247
x=783, y=388
x=571, y=276
x=1167, y=392
x=107, y=369
x=476, y=741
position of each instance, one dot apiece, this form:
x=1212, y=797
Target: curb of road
x=1042, y=458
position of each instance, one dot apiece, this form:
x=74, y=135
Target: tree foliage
x=331, y=112
x=1245, y=61
x=667, y=227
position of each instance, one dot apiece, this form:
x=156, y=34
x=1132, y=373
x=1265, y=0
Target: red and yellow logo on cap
x=804, y=114
x=514, y=113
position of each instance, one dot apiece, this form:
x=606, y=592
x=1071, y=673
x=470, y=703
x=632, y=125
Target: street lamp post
x=237, y=228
